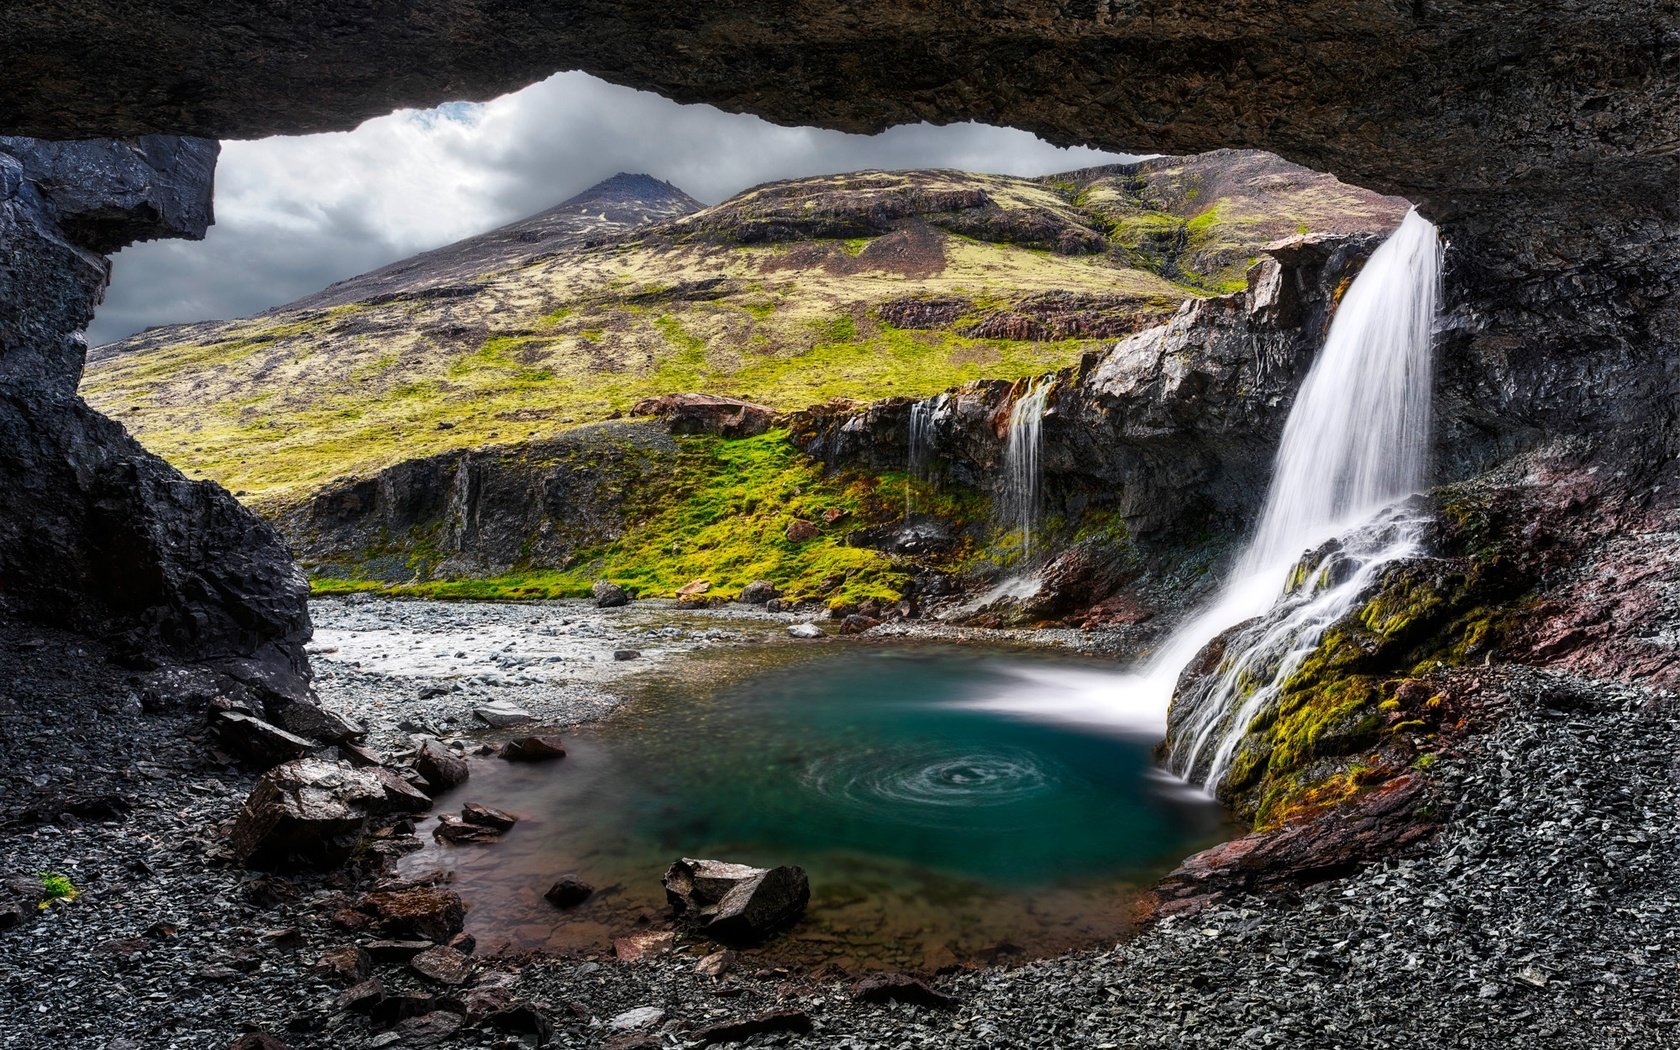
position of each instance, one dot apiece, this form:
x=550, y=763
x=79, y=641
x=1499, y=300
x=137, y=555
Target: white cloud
x=295, y=214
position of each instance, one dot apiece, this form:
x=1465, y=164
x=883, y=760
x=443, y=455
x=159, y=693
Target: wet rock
x=568, y=891
x=439, y=766
x=487, y=816
x=420, y=912
x=256, y=741
x=758, y=592
x=308, y=813
x=502, y=714
x=609, y=595
x=805, y=630
x=736, y=903
x=857, y=623
x=451, y=828
x=802, y=531
x=400, y=795
x=707, y=414
x=349, y=964
x=742, y=1029
x=534, y=749
x=442, y=964
x=900, y=988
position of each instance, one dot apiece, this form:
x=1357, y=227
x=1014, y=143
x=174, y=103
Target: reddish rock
x=348, y=964
x=421, y=912
x=1336, y=842
x=639, y=946
x=694, y=588
x=362, y=997
x=453, y=829
x=534, y=749
x=309, y=813
x=442, y=964
x=857, y=623
x=799, y=531
x=726, y=417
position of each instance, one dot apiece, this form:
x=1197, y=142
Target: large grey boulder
x=736, y=903
x=309, y=813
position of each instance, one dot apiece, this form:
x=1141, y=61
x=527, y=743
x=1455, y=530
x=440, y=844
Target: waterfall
x=1354, y=446
x=1021, y=471
x=1355, y=443
x=921, y=450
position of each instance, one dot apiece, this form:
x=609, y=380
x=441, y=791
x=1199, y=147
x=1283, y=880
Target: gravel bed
x=1546, y=913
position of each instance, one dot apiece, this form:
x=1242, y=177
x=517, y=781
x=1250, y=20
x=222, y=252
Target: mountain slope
x=864, y=285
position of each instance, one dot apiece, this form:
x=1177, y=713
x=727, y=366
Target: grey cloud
x=297, y=214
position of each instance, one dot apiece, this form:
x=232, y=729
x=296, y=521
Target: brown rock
x=900, y=988
x=436, y=1028
x=694, y=588
x=799, y=531
x=421, y=912
x=534, y=749
x=745, y=1028
x=857, y=623
x=639, y=946
x=487, y=817
x=568, y=891
x=349, y=964
x=442, y=964
x=717, y=964
x=362, y=998
x=834, y=514
x=707, y=414
x=451, y=828
x=440, y=767
x=499, y=1009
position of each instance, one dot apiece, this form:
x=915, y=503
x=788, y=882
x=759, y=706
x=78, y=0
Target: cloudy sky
x=295, y=214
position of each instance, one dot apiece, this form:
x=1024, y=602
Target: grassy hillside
x=863, y=286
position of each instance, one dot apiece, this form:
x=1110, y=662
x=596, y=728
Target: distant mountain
x=605, y=210
x=862, y=285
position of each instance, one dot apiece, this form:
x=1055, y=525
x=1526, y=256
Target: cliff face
x=98, y=535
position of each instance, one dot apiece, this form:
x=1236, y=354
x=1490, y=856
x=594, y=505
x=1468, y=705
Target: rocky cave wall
x=1545, y=140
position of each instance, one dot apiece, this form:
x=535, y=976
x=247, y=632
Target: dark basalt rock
x=727, y=417
x=901, y=988
x=741, y=1029
x=534, y=749
x=568, y=891
x=439, y=766
x=609, y=595
x=309, y=813
x=736, y=903
x=424, y=912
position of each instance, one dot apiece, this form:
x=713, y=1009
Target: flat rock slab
x=639, y=946
x=901, y=988
x=805, y=630
x=640, y=1017
x=419, y=912
x=488, y=816
x=500, y=714
x=742, y=1029
x=442, y=964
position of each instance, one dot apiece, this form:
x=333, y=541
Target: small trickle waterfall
x=1355, y=443
x=1021, y=470
x=921, y=449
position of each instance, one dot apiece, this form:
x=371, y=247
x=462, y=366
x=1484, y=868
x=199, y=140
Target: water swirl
x=930, y=785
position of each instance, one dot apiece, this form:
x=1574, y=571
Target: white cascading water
x=921, y=449
x=1021, y=472
x=1356, y=442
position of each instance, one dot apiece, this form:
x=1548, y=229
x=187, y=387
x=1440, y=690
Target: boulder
x=419, y=912
x=500, y=714
x=308, y=813
x=487, y=816
x=568, y=891
x=726, y=417
x=439, y=766
x=801, y=531
x=451, y=828
x=349, y=964
x=609, y=595
x=255, y=741
x=857, y=623
x=736, y=903
x=757, y=592
x=442, y=964
x=805, y=630
x=534, y=749
x=627, y=654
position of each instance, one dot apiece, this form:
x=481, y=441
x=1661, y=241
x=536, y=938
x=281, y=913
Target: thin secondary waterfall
x=1022, y=445
x=1355, y=443
x=921, y=449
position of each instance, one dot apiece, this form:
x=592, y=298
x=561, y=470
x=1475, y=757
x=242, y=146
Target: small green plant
x=56, y=887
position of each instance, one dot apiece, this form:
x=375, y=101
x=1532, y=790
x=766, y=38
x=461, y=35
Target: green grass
x=56, y=887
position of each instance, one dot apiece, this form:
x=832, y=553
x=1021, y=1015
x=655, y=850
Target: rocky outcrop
x=728, y=417
x=97, y=535
x=1172, y=431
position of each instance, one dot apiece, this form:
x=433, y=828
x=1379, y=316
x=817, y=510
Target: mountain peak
x=631, y=188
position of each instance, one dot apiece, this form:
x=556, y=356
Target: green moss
x=56, y=887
